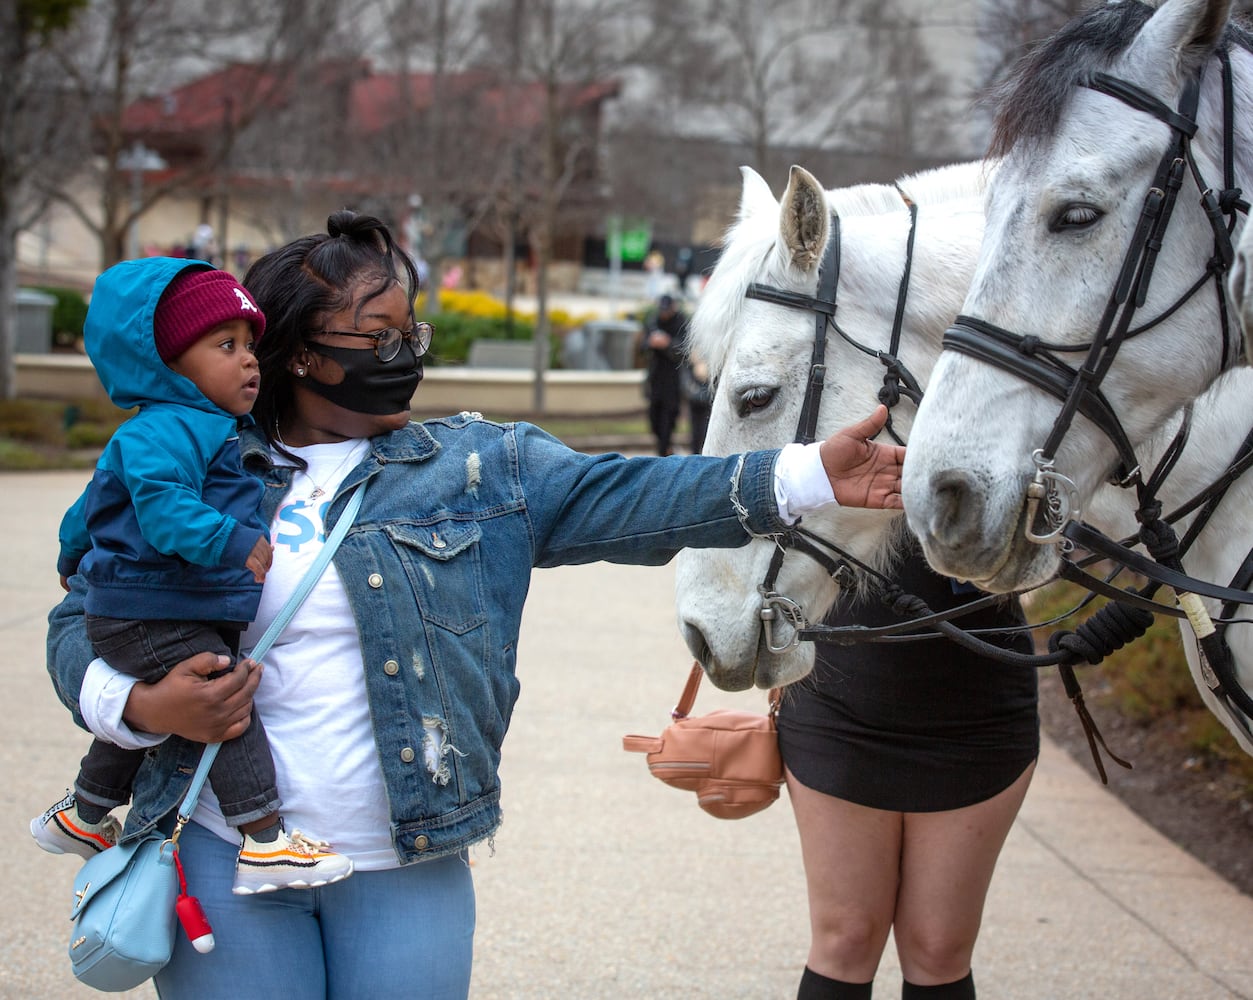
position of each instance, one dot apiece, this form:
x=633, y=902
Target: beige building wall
x=62, y=249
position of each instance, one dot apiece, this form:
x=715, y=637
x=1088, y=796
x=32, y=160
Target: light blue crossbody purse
x=125, y=898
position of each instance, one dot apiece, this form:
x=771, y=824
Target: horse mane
x=1029, y=103
x=752, y=239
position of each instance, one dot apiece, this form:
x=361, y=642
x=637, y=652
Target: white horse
x=1083, y=133
x=760, y=351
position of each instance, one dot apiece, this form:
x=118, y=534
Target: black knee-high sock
x=816, y=987
x=962, y=989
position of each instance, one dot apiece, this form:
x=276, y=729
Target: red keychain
x=191, y=915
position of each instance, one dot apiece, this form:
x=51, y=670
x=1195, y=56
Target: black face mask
x=369, y=386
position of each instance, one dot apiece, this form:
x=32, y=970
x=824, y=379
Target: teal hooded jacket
x=165, y=526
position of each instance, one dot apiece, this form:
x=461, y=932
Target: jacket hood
x=118, y=334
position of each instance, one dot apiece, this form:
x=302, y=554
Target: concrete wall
x=492, y=391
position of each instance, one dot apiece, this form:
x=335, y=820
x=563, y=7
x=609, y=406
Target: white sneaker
x=290, y=862
x=61, y=831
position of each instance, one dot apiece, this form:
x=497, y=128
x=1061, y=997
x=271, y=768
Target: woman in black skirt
x=906, y=765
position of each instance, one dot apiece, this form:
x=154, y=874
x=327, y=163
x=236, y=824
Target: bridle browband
x=1051, y=497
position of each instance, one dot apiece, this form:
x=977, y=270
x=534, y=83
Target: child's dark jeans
x=242, y=776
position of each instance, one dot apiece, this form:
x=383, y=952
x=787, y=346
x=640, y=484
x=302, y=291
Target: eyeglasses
x=387, y=342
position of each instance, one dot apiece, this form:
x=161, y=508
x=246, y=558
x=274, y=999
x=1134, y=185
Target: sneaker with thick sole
x=60, y=831
x=293, y=861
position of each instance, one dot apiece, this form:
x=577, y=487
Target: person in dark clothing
x=698, y=390
x=665, y=336
x=906, y=766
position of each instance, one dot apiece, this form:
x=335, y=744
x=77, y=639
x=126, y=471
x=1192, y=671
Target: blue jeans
x=405, y=932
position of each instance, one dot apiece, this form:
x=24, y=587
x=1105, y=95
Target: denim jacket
x=437, y=566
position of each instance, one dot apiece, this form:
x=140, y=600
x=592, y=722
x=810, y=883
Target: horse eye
x=755, y=399
x=1075, y=217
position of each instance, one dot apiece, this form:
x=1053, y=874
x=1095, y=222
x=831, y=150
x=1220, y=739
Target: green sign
x=628, y=240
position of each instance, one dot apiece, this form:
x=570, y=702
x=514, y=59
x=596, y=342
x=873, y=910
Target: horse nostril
x=696, y=643
x=957, y=510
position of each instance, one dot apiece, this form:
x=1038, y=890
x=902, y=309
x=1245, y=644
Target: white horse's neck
x=947, y=235
x=874, y=223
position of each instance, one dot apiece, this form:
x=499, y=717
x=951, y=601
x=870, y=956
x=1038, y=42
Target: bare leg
x=852, y=860
x=946, y=866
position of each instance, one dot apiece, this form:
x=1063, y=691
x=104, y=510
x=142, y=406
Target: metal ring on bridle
x=1059, y=497
x=773, y=606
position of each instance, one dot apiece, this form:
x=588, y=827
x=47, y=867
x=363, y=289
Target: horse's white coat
x=970, y=459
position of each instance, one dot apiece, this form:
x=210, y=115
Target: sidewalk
x=606, y=884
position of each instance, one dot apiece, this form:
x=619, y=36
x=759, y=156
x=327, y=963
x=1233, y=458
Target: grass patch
x=52, y=434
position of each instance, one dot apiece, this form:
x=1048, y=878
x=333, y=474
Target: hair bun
x=341, y=223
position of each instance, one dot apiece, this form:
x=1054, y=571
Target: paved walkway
x=607, y=884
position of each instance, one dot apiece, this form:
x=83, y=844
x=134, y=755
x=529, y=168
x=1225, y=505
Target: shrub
x=454, y=332
x=35, y=432
x=31, y=421
x=68, y=315
x=466, y=316
x=88, y=435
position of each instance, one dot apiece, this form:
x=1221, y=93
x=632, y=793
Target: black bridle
x=1051, y=496
x=897, y=382
x=1052, y=507
x=842, y=566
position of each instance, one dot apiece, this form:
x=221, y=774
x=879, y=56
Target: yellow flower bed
x=481, y=304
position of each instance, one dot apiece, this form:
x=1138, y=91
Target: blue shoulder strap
x=263, y=645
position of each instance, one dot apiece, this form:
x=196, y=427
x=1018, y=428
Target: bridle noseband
x=1052, y=498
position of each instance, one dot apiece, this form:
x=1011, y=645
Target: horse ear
x=1177, y=39
x=756, y=196
x=804, y=219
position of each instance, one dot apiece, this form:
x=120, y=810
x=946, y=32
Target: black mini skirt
x=919, y=726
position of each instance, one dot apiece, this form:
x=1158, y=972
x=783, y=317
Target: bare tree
x=768, y=73
x=560, y=52
x=849, y=88
x=445, y=141
x=122, y=50
x=36, y=140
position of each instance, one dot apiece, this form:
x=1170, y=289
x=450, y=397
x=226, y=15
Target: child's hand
x=65, y=583
x=259, y=559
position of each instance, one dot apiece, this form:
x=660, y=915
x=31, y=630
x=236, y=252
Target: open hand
x=864, y=473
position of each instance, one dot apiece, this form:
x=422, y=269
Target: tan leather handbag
x=729, y=757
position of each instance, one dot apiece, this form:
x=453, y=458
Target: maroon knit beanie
x=194, y=303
